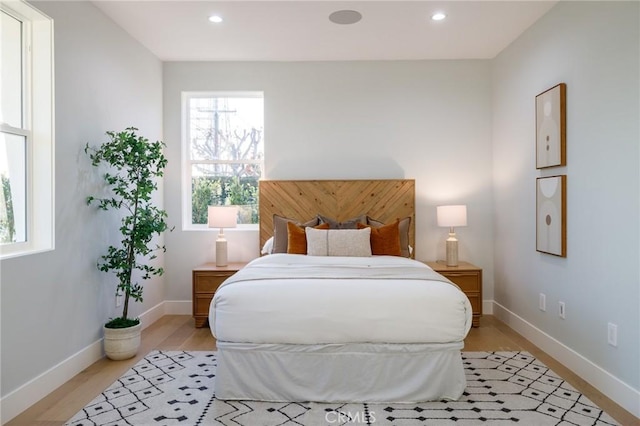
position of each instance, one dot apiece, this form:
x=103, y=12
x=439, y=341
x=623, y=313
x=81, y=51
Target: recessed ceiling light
x=215, y=18
x=438, y=16
x=345, y=17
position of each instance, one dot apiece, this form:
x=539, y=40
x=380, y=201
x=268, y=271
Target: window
x=26, y=130
x=223, y=143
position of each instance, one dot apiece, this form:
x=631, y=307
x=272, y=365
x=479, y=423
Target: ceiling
x=298, y=30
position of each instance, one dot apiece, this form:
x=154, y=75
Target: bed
x=339, y=328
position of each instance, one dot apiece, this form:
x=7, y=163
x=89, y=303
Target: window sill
x=10, y=254
x=240, y=228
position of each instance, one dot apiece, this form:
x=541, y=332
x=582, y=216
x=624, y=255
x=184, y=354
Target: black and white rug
x=177, y=388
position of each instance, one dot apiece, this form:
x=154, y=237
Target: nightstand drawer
x=469, y=278
x=205, y=281
x=201, y=305
x=210, y=282
x=476, y=303
x=467, y=281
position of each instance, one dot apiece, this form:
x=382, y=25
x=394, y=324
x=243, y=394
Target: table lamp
x=222, y=217
x=452, y=216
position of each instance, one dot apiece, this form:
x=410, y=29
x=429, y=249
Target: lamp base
x=452, y=251
x=221, y=252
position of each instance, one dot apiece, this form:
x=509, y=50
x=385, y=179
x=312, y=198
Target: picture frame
x=551, y=127
x=551, y=215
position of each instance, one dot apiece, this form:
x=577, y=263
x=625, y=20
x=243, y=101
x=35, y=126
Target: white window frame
x=38, y=127
x=187, y=162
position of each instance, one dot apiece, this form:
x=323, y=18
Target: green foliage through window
x=7, y=221
x=223, y=191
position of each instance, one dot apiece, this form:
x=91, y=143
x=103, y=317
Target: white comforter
x=310, y=304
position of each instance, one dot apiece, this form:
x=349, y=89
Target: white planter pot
x=122, y=343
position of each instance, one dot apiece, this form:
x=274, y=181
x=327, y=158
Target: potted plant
x=133, y=166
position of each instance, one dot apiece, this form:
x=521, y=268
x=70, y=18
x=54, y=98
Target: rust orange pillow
x=297, y=239
x=385, y=240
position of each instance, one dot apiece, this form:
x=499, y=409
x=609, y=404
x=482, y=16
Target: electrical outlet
x=542, y=303
x=612, y=335
x=561, y=312
x=119, y=299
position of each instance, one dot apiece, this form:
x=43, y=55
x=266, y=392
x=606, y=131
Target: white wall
x=55, y=303
x=594, y=48
x=426, y=120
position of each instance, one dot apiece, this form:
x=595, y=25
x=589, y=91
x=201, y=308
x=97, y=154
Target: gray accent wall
x=53, y=304
x=594, y=48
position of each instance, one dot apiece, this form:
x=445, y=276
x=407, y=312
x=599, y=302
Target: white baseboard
x=614, y=388
x=33, y=391
x=152, y=315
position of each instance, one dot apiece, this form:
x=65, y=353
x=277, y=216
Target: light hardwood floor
x=177, y=332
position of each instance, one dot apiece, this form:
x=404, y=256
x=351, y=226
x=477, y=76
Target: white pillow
x=267, y=248
x=338, y=242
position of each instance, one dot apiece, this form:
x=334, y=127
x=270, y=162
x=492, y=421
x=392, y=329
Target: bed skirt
x=363, y=372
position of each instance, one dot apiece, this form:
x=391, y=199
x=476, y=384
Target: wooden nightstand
x=469, y=278
x=206, y=280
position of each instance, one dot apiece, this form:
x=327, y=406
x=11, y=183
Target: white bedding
x=369, y=306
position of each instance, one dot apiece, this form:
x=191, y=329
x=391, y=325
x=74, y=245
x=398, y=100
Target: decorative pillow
x=403, y=227
x=385, y=239
x=297, y=238
x=280, y=233
x=267, y=248
x=347, y=224
x=339, y=242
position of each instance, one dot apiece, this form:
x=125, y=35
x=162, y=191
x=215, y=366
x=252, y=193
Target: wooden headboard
x=384, y=200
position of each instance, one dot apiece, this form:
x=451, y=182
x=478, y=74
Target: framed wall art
x=551, y=215
x=551, y=127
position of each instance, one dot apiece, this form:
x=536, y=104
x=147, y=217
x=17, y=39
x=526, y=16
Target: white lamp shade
x=222, y=216
x=452, y=216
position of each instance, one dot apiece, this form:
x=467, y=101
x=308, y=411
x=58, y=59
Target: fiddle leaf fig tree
x=133, y=166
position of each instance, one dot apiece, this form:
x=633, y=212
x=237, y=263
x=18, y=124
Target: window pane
x=226, y=128
x=13, y=196
x=11, y=57
x=225, y=184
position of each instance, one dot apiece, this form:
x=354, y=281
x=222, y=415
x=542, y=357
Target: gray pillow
x=347, y=224
x=403, y=227
x=280, y=233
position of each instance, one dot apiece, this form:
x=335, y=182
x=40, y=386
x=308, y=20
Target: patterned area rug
x=169, y=388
